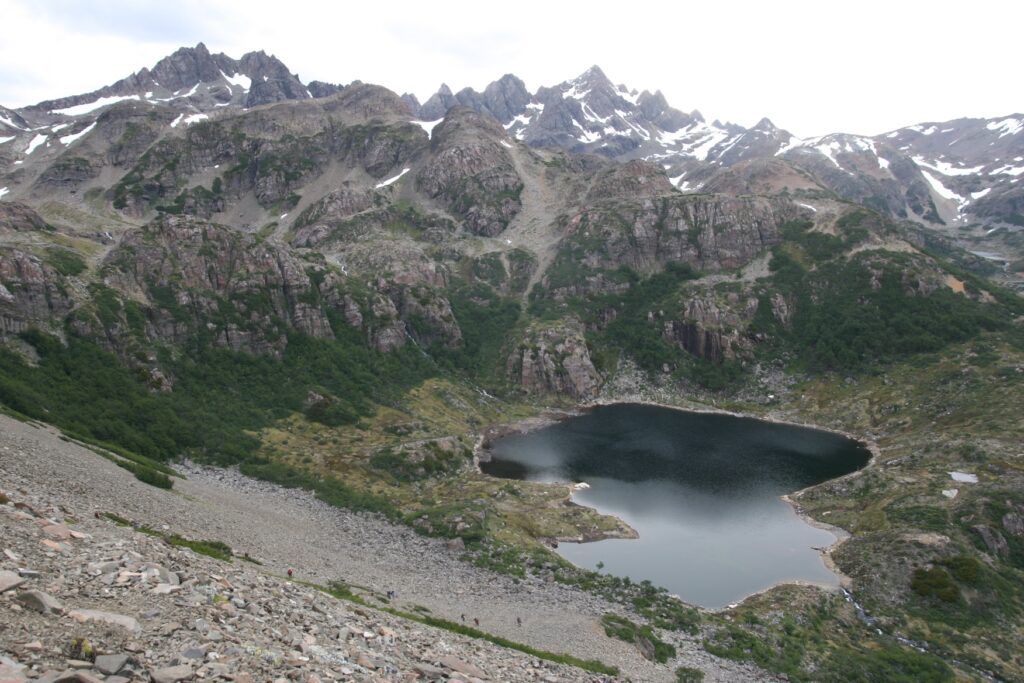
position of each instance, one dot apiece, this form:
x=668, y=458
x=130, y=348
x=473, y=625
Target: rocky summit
x=250, y=324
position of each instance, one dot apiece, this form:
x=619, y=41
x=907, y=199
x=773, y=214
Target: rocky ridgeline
x=90, y=601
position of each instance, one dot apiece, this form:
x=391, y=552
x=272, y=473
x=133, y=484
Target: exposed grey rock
x=172, y=674
x=129, y=624
x=9, y=580
x=111, y=664
x=993, y=540
x=554, y=359
x=40, y=602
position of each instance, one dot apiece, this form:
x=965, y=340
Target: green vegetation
x=65, y=262
x=585, y=664
x=688, y=674
x=219, y=399
x=486, y=319
x=643, y=637
x=215, y=549
x=218, y=550
x=432, y=460
x=812, y=640
x=343, y=591
x=936, y=582
x=849, y=314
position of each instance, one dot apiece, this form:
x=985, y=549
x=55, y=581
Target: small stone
x=111, y=664
x=194, y=653
x=165, y=589
x=9, y=580
x=76, y=677
x=125, y=622
x=243, y=678
x=52, y=545
x=172, y=674
x=34, y=646
x=11, y=672
x=41, y=602
x=79, y=664
x=456, y=664
x=29, y=573
x=57, y=531
x=431, y=672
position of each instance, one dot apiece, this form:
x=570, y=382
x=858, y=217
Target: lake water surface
x=703, y=491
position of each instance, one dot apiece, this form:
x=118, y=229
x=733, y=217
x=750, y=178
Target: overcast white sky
x=812, y=67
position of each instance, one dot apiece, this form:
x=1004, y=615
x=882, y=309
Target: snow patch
x=950, y=493
x=68, y=139
x=946, y=168
x=1008, y=170
x=792, y=143
x=7, y=122
x=675, y=181
x=574, y=93
x=36, y=141
x=428, y=126
x=893, y=134
x=981, y=193
x=175, y=122
x=7, y=139
x=521, y=119
x=57, y=129
x=631, y=97
x=3, y=191
x=283, y=216
x=195, y=118
x=883, y=163
x=506, y=143
x=1008, y=126
x=591, y=115
x=80, y=109
x=539, y=107
x=238, y=80
x=829, y=150
x=586, y=137
x=942, y=190
x=391, y=180
x=964, y=477
x=807, y=206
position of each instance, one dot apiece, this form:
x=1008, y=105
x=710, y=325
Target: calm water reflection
x=702, y=491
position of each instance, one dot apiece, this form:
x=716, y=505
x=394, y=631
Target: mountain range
x=960, y=177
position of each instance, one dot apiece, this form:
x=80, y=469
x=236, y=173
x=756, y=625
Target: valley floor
x=285, y=529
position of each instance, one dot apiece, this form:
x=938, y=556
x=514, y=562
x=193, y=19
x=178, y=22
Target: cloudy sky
x=812, y=67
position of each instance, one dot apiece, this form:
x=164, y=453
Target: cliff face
x=554, y=360
x=471, y=172
x=708, y=233
x=31, y=293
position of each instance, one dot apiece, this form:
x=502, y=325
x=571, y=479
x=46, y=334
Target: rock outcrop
x=554, y=360
x=471, y=172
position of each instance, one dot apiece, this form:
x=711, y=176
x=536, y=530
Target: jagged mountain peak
x=593, y=75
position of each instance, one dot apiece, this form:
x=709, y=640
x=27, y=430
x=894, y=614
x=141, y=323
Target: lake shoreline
x=840, y=535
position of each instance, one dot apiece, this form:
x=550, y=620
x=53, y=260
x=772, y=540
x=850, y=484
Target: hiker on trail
x=476, y=622
x=463, y=618
x=519, y=621
x=289, y=572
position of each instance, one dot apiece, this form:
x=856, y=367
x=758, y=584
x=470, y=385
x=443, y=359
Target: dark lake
x=703, y=491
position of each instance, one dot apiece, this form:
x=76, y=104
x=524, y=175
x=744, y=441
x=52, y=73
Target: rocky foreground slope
x=152, y=611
